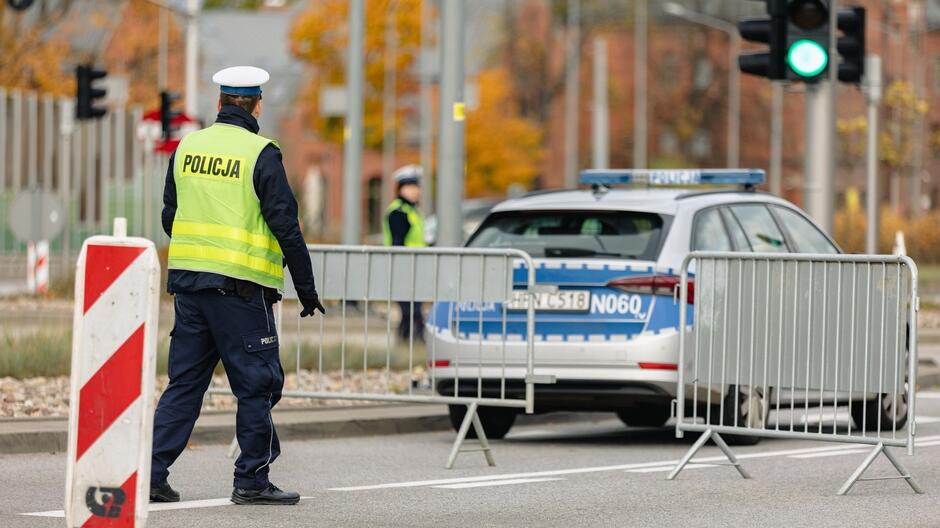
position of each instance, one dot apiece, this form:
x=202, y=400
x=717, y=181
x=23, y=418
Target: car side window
x=803, y=235
x=761, y=229
x=710, y=234
x=737, y=234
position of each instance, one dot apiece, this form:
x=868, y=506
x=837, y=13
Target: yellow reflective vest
x=218, y=226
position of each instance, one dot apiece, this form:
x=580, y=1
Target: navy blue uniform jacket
x=278, y=207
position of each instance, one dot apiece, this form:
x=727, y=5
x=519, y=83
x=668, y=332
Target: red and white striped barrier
x=37, y=260
x=113, y=369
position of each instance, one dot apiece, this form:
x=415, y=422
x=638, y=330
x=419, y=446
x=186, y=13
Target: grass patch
x=927, y=304
x=353, y=359
x=928, y=273
x=47, y=353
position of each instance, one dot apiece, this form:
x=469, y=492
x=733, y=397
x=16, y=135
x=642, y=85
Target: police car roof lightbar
x=610, y=177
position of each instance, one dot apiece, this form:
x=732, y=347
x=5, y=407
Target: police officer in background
x=232, y=222
x=404, y=226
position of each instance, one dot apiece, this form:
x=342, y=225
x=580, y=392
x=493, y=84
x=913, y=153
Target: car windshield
x=580, y=234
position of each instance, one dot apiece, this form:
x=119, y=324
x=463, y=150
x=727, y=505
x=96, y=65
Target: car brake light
x=438, y=363
x=653, y=285
x=659, y=366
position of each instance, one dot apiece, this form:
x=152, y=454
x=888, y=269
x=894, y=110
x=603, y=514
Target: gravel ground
x=49, y=397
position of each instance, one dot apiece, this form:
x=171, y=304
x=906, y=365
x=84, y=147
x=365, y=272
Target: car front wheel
x=887, y=412
x=744, y=407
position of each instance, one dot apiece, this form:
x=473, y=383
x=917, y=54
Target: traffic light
x=807, y=55
x=851, y=44
x=86, y=94
x=770, y=30
x=166, y=112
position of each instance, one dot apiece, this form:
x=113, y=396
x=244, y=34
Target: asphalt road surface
x=595, y=473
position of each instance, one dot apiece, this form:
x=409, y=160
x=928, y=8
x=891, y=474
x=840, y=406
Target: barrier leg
x=484, y=442
x=879, y=449
x=720, y=442
x=469, y=419
x=691, y=453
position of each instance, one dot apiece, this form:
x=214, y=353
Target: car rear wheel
x=744, y=407
x=496, y=421
x=646, y=416
x=887, y=412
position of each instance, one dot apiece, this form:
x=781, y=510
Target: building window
x=374, y=204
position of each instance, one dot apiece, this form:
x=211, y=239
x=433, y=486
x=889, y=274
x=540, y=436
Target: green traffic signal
x=807, y=58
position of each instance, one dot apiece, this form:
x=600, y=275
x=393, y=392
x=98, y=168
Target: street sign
x=36, y=215
x=333, y=100
x=150, y=130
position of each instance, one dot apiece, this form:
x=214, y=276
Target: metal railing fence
x=375, y=326
x=826, y=345
x=97, y=170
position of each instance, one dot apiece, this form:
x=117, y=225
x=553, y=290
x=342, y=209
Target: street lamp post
x=734, y=74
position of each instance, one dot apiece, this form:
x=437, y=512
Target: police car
x=609, y=334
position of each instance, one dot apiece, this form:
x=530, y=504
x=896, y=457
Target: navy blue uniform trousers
x=212, y=325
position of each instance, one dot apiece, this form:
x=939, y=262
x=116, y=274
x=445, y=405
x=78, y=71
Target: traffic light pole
x=572, y=90
x=192, y=56
x=873, y=89
x=640, y=45
x=776, y=140
x=599, y=125
x=451, y=150
x=352, y=134
x=818, y=187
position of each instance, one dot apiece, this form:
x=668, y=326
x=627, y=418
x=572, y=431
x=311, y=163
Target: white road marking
x=929, y=395
x=922, y=442
x=495, y=483
x=158, y=506
x=663, y=469
x=853, y=451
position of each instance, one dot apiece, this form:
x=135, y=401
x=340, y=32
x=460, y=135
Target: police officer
x=404, y=226
x=232, y=222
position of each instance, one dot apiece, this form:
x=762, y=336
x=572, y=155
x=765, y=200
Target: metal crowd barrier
x=367, y=291
x=826, y=345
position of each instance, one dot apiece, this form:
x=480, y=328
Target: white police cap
x=408, y=174
x=241, y=80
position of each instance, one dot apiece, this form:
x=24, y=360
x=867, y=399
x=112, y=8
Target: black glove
x=311, y=305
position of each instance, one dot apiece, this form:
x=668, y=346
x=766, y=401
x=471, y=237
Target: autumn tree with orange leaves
x=320, y=38
x=36, y=51
x=502, y=148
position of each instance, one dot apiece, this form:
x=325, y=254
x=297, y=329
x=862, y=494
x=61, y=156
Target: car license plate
x=559, y=301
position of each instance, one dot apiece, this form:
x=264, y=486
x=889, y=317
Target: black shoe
x=269, y=495
x=162, y=492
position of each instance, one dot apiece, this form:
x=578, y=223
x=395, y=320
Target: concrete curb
x=50, y=435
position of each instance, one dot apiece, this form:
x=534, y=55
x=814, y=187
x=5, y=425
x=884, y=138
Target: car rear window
x=577, y=234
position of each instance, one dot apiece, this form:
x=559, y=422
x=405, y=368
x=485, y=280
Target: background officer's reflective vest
x=415, y=235
x=218, y=226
